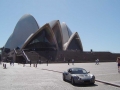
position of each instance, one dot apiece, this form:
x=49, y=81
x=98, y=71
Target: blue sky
x=96, y=21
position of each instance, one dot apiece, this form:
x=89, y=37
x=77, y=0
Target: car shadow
x=83, y=85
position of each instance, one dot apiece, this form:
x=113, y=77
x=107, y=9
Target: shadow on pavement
x=86, y=85
x=52, y=70
x=82, y=85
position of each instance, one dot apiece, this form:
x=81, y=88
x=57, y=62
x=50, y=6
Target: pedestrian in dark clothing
x=68, y=61
x=118, y=61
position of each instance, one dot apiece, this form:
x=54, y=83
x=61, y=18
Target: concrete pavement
x=49, y=77
x=106, y=72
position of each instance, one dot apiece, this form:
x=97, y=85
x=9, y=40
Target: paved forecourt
x=49, y=77
x=106, y=72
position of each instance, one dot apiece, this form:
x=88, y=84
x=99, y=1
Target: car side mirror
x=70, y=71
x=88, y=72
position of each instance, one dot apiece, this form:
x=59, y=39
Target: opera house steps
x=61, y=56
x=35, y=56
x=64, y=56
x=86, y=56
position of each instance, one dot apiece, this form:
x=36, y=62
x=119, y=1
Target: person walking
x=96, y=62
x=68, y=61
x=118, y=61
x=72, y=61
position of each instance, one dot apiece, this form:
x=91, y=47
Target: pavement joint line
x=106, y=74
x=95, y=79
x=105, y=82
x=52, y=70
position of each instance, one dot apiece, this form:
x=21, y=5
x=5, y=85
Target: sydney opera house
x=53, y=35
x=29, y=36
x=53, y=41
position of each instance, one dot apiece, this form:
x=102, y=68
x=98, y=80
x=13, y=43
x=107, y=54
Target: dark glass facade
x=74, y=44
x=42, y=41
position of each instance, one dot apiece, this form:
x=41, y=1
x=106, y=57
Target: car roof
x=75, y=68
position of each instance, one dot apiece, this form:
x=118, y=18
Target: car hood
x=83, y=76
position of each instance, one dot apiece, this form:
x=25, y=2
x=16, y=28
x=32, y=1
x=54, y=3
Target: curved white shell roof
x=70, y=39
x=56, y=27
x=27, y=28
x=66, y=32
x=46, y=27
x=24, y=28
x=52, y=23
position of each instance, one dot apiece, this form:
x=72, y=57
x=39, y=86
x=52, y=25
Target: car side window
x=69, y=70
x=84, y=71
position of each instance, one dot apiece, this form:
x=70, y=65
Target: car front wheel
x=93, y=83
x=64, y=78
x=72, y=81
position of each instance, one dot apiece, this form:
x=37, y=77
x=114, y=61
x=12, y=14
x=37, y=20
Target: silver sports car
x=78, y=76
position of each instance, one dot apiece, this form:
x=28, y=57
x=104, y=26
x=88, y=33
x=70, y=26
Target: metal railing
x=25, y=55
x=15, y=51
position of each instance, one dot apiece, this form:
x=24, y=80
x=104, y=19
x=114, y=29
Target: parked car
x=78, y=76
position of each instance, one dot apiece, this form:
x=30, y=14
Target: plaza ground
x=49, y=77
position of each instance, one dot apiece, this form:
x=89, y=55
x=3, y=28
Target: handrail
x=15, y=51
x=25, y=56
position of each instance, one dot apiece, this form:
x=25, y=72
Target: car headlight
x=93, y=78
x=78, y=78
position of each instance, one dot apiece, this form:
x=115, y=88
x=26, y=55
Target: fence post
x=3, y=64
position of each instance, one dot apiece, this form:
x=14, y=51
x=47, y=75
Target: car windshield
x=79, y=71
